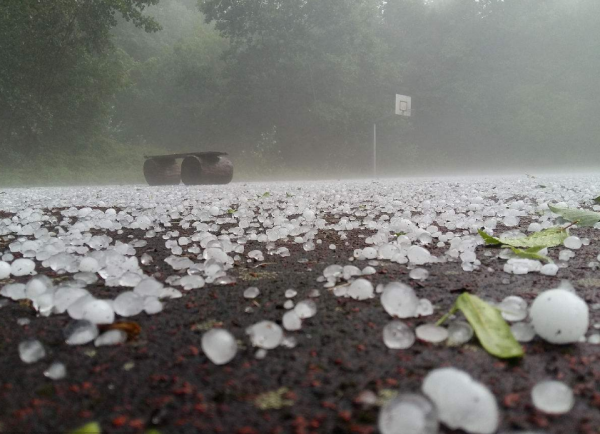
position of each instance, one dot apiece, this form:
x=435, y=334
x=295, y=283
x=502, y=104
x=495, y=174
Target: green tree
x=59, y=71
x=314, y=71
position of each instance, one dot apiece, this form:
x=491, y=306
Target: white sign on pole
x=403, y=105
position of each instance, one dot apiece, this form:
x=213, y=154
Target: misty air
x=299, y=216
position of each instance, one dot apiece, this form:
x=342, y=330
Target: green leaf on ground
x=90, y=428
x=489, y=240
x=399, y=234
x=583, y=217
x=597, y=200
x=274, y=400
x=531, y=253
x=492, y=331
x=550, y=237
x=231, y=211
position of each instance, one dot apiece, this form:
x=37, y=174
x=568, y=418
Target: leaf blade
x=531, y=253
x=550, y=237
x=492, y=331
x=583, y=217
x=89, y=428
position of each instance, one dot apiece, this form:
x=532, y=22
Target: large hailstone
x=559, y=316
x=399, y=300
x=461, y=401
x=265, y=334
x=4, y=270
x=361, y=289
x=219, y=346
x=408, y=414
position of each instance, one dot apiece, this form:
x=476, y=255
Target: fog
x=291, y=89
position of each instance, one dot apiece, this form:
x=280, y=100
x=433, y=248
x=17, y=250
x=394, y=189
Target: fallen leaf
x=583, y=217
x=491, y=329
x=132, y=329
x=550, y=237
x=90, y=428
x=531, y=253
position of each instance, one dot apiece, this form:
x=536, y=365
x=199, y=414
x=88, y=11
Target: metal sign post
x=403, y=108
x=374, y=150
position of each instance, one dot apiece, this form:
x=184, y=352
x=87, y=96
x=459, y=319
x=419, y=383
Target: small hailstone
x=559, y=316
x=291, y=321
x=219, y=345
x=308, y=214
x=14, y=291
x=425, y=308
x=289, y=304
x=86, y=278
x=523, y=332
x=148, y=287
x=56, y=371
x=572, y=242
x=369, y=252
x=128, y=303
x=431, y=333
x=360, y=289
x=513, y=308
x=4, y=270
x=22, y=267
x=594, y=339
x=314, y=293
x=459, y=333
x=191, y=282
x=308, y=246
x=400, y=300
x=461, y=401
x=146, y=259
x=333, y=271
x=418, y=274
x=418, y=255
x=111, y=337
x=332, y=247
x=31, y=351
x=130, y=279
x=152, y=305
x=367, y=271
x=98, y=312
x=37, y=286
x=89, y=265
x=260, y=354
x=265, y=334
x=408, y=414
x=552, y=397
x=289, y=342
x=80, y=332
x=23, y=321
x=251, y=292
x=306, y=309
x=290, y=293
x=66, y=296
x=549, y=269
x=224, y=280
x=367, y=398
x=398, y=336
x=75, y=309
x=351, y=271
